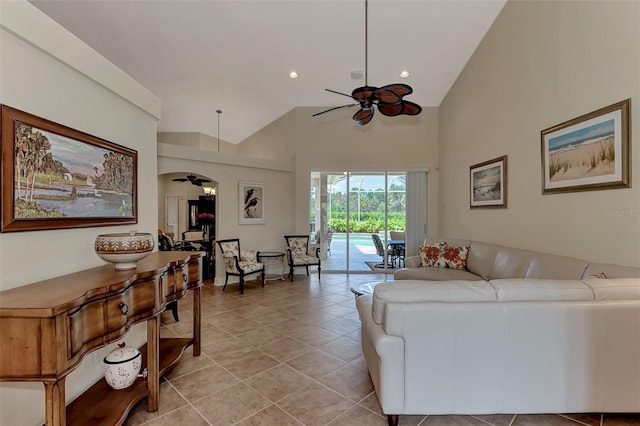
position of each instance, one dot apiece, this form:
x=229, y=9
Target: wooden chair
x=299, y=253
x=239, y=263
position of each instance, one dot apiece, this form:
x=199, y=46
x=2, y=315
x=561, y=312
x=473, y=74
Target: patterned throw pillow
x=430, y=255
x=454, y=257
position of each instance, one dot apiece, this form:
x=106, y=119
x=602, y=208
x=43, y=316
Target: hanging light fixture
x=219, y=111
x=209, y=192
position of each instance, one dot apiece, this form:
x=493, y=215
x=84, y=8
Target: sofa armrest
x=412, y=262
x=385, y=360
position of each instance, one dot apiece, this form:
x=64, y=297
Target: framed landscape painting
x=587, y=153
x=488, y=185
x=57, y=177
x=252, y=206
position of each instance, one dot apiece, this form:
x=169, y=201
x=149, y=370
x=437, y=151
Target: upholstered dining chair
x=239, y=263
x=300, y=254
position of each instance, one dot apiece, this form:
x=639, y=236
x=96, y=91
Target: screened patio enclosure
x=346, y=208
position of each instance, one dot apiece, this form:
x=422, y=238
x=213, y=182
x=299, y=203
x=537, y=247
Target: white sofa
x=518, y=345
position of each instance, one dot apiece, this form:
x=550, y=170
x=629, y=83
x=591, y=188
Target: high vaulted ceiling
x=235, y=55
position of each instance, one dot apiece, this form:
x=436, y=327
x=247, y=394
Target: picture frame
x=252, y=207
x=587, y=153
x=55, y=177
x=488, y=184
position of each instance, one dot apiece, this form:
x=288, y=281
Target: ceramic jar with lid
x=121, y=366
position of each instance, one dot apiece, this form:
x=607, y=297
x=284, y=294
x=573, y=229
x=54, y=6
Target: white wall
x=543, y=63
x=334, y=142
x=47, y=72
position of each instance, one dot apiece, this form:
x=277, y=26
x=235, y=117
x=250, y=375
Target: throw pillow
x=430, y=255
x=454, y=257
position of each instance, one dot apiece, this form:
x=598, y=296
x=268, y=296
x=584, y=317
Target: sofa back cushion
x=481, y=257
x=614, y=289
x=429, y=291
x=611, y=271
x=555, y=267
x=537, y=290
x=510, y=263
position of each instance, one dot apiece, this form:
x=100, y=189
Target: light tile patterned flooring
x=290, y=354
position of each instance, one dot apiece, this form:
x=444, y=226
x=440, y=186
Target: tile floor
x=289, y=354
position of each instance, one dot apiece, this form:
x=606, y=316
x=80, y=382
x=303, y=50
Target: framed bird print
x=252, y=203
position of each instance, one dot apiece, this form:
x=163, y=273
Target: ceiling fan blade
x=338, y=93
x=402, y=108
x=179, y=180
x=203, y=180
x=363, y=116
x=392, y=93
x=390, y=110
x=410, y=108
x=335, y=108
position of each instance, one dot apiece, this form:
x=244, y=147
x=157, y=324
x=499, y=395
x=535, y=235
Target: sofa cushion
x=480, y=258
x=430, y=255
x=455, y=257
x=429, y=291
x=533, y=290
x=510, y=263
x=614, y=289
x=611, y=270
x=555, y=267
x=431, y=273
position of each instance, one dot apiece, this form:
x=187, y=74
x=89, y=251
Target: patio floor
x=361, y=250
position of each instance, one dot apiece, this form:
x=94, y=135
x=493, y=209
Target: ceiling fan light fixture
x=388, y=99
x=293, y=75
x=404, y=74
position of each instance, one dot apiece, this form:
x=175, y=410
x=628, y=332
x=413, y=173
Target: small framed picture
x=252, y=200
x=488, y=183
x=588, y=153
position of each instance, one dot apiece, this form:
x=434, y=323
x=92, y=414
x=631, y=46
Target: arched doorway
x=187, y=202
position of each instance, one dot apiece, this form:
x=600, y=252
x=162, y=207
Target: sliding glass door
x=351, y=215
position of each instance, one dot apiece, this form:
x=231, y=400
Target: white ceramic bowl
x=124, y=249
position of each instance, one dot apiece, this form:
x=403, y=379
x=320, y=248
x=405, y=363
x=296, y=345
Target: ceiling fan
x=388, y=99
x=191, y=178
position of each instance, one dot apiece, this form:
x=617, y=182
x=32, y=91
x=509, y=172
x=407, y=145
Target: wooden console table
x=47, y=328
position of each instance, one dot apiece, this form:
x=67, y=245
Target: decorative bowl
x=121, y=366
x=124, y=249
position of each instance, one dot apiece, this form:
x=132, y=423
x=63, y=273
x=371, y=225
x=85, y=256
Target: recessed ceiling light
x=293, y=74
x=404, y=74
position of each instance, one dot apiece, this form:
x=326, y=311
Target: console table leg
x=55, y=408
x=153, y=363
x=197, y=314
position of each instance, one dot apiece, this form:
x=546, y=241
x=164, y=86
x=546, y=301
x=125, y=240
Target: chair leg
x=307, y=268
x=319, y=271
x=263, y=275
x=241, y=284
x=173, y=307
x=392, y=419
x=226, y=280
x=291, y=273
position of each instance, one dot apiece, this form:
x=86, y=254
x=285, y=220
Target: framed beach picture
x=252, y=205
x=488, y=183
x=57, y=177
x=587, y=153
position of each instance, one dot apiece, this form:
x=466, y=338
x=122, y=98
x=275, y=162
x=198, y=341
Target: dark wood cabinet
x=47, y=328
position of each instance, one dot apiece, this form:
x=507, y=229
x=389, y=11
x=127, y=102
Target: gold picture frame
x=56, y=177
x=488, y=184
x=588, y=153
